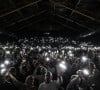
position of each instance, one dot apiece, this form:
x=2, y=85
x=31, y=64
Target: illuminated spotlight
x=86, y=72
x=62, y=66
x=6, y=62
x=3, y=71
x=47, y=59
x=84, y=59
x=2, y=65
x=7, y=52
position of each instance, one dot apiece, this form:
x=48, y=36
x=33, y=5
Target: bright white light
x=69, y=51
x=63, y=51
x=7, y=62
x=47, y=59
x=71, y=55
x=84, y=59
x=31, y=48
x=62, y=66
x=39, y=49
x=49, y=51
x=63, y=62
x=7, y=52
x=86, y=72
x=46, y=54
x=2, y=66
x=5, y=47
x=3, y=71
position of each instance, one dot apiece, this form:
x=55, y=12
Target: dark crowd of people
x=30, y=65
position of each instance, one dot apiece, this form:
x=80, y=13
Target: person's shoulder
x=43, y=83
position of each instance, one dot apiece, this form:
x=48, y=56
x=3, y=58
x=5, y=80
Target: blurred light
x=63, y=62
x=7, y=52
x=3, y=71
x=71, y=55
x=2, y=65
x=86, y=72
x=84, y=59
x=62, y=66
x=47, y=59
x=49, y=51
x=5, y=47
x=46, y=54
x=31, y=48
x=7, y=62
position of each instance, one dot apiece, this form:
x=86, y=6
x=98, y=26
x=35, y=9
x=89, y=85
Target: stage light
x=86, y=72
x=84, y=58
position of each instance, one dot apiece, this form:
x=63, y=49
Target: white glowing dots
x=57, y=51
x=7, y=52
x=47, y=59
x=49, y=51
x=2, y=71
x=86, y=72
x=46, y=54
x=2, y=65
x=62, y=65
x=84, y=58
x=39, y=49
x=5, y=47
x=7, y=62
x=31, y=48
x=63, y=51
x=70, y=53
x=63, y=62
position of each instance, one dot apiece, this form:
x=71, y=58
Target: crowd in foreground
x=24, y=66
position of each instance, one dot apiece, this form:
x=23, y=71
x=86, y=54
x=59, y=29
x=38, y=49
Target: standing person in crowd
x=49, y=84
x=28, y=85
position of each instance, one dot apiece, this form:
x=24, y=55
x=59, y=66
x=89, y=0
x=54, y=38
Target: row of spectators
x=24, y=66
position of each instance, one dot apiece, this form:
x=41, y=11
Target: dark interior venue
x=49, y=44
